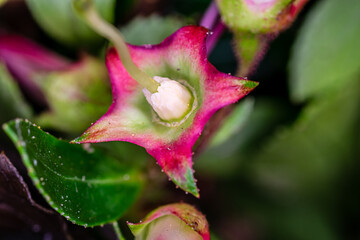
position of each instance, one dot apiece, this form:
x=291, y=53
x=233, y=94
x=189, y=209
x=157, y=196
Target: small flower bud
x=171, y=101
x=259, y=16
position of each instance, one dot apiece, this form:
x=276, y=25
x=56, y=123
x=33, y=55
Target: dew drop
x=126, y=177
x=35, y=162
x=87, y=147
x=33, y=137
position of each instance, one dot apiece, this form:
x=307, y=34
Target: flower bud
x=173, y=221
x=171, y=101
x=259, y=16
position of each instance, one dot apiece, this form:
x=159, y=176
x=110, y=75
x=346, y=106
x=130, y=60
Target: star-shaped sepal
x=180, y=57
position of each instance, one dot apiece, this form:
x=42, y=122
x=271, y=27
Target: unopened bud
x=259, y=16
x=171, y=101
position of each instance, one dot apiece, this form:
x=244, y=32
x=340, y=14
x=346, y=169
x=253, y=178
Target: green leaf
x=12, y=103
x=310, y=156
x=288, y=219
x=233, y=123
x=327, y=52
x=150, y=30
x=58, y=19
x=79, y=182
x=263, y=117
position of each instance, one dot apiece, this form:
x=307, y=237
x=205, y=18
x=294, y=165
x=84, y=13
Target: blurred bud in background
x=25, y=58
x=77, y=96
x=75, y=93
x=254, y=24
x=259, y=16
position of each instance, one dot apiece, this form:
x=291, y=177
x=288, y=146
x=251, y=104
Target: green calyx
x=239, y=17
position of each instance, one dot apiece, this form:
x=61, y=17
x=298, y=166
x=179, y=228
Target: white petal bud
x=171, y=101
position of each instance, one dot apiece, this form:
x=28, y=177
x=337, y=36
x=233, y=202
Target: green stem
x=117, y=231
x=86, y=9
x=250, y=49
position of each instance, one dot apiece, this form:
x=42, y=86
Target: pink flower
x=180, y=57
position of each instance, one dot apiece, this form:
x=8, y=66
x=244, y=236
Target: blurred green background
x=285, y=164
